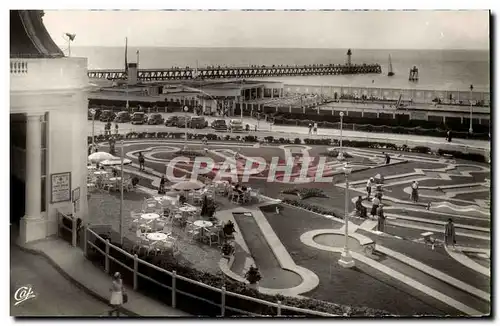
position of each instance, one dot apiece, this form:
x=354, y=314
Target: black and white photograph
x=205, y=164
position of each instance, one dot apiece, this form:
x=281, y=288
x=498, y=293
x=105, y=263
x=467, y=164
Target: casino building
x=48, y=133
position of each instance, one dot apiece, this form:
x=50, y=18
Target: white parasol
x=100, y=156
x=188, y=185
x=115, y=161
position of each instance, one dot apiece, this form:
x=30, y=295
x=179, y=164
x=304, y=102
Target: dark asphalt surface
x=54, y=294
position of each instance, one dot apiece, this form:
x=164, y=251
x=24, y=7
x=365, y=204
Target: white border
x=184, y=4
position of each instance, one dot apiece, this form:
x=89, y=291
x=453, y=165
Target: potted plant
x=227, y=250
x=253, y=277
x=228, y=229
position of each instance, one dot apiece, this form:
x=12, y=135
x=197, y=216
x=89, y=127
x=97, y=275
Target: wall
x=59, y=87
x=418, y=95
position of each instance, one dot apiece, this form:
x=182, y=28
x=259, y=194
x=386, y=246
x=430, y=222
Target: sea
x=447, y=70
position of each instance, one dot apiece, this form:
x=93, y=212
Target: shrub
x=421, y=149
x=269, y=139
x=311, y=207
x=465, y=156
x=304, y=193
x=335, y=153
x=297, y=141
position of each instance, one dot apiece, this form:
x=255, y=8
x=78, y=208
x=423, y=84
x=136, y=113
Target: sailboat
x=390, y=73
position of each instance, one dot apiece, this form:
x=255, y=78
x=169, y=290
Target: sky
x=278, y=29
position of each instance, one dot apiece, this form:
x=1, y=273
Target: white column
x=272, y=92
x=33, y=226
x=33, y=166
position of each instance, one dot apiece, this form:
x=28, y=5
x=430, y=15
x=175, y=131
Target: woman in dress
x=381, y=218
x=117, y=291
x=414, y=191
x=449, y=233
x=369, y=188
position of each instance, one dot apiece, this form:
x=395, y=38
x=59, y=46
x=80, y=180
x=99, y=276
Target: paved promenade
x=55, y=296
x=265, y=129
x=71, y=263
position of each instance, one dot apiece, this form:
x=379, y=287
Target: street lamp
x=70, y=38
x=186, y=109
x=346, y=260
x=121, y=194
x=93, y=112
x=470, y=126
x=340, y=157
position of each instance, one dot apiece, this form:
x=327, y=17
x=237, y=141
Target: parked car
x=138, y=118
x=171, y=121
x=107, y=116
x=198, y=123
x=181, y=121
x=123, y=116
x=155, y=119
x=236, y=125
x=219, y=124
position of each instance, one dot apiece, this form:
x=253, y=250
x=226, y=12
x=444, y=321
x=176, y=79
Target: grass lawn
x=273, y=276
x=362, y=286
x=483, y=222
x=484, y=195
x=437, y=258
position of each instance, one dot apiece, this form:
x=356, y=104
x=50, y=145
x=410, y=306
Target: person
x=161, y=188
x=117, y=293
x=205, y=140
x=141, y=161
x=315, y=128
x=375, y=204
x=310, y=128
x=360, y=209
x=449, y=233
x=381, y=218
x=369, y=188
x=448, y=136
x=116, y=128
x=387, y=158
x=414, y=191
x=108, y=127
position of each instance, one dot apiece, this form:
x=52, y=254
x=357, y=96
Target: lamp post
x=340, y=157
x=71, y=38
x=121, y=194
x=470, y=126
x=186, y=109
x=93, y=112
x=346, y=260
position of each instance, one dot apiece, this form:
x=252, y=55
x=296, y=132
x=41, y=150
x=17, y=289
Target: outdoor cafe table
x=150, y=216
x=91, y=167
x=101, y=172
x=202, y=224
x=157, y=236
x=185, y=210
x=115, y=179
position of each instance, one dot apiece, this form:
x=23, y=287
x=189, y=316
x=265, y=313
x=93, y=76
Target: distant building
x=48, y=109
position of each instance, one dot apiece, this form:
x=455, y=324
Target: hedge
x=308, y=141
x=198, y=307
x=399, y=125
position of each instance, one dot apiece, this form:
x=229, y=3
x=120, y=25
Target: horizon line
x=264, y=47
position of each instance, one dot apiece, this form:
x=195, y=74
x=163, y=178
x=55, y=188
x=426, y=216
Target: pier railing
x=239, y=72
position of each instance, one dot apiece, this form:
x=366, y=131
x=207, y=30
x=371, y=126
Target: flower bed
x=304, y=193
x=209, y=304
x=310, y=207
x=308, y=141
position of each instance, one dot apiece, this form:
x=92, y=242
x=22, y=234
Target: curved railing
x=174, y=291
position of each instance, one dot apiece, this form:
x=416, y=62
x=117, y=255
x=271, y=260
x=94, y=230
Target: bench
x=368, y=245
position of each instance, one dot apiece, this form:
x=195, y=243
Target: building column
x=272, y=92
x=262, y=93
x=33, y=226
x=204, y=105
x=234, y=106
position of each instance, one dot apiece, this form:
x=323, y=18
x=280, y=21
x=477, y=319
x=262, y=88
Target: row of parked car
x=181, y=121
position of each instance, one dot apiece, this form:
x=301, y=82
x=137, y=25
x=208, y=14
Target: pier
x=238, y=72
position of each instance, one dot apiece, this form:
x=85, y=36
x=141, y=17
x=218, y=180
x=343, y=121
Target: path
x=265, y=129
x=55, y=296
